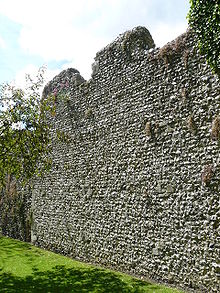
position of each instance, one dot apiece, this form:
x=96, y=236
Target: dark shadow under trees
x=62, y=279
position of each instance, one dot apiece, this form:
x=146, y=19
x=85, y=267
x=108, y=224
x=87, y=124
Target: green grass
x=26, y=268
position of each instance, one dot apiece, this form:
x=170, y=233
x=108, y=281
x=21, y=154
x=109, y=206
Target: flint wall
x=134, y=183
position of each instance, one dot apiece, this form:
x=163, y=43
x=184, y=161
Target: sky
x=68, y=33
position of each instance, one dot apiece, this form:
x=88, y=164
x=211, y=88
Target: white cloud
x=32, y=70
x=164, y=32
x=58, y=30
x=2, y=43
x=75, y=30
x=20, y=79
x=84, y=66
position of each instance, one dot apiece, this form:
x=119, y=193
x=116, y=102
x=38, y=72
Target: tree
x=24, y=130
x=204, y=19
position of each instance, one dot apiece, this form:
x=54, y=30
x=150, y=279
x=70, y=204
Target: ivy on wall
x=204, y=18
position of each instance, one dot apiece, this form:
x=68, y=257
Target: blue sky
x=68, y=33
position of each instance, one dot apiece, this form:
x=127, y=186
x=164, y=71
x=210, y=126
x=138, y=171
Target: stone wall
x=135, y=178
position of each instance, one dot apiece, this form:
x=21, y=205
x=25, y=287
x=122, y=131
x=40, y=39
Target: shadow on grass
x=62, y=279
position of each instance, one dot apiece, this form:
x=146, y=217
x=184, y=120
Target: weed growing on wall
x=168, y=52
x=186, y=58
x=184, y=93
x=88, y=113
x=62, y=136
x=148, y=129
x=207, y=174
x=215, y=132
x=191, y=125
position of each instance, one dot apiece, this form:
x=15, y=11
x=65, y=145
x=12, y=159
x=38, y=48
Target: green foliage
x=204, y=19
x=24, y=132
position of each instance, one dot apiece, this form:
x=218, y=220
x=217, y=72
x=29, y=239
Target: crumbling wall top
x=138, y=37
x=62, y=81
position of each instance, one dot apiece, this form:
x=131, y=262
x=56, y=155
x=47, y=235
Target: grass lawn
x=26, y=268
